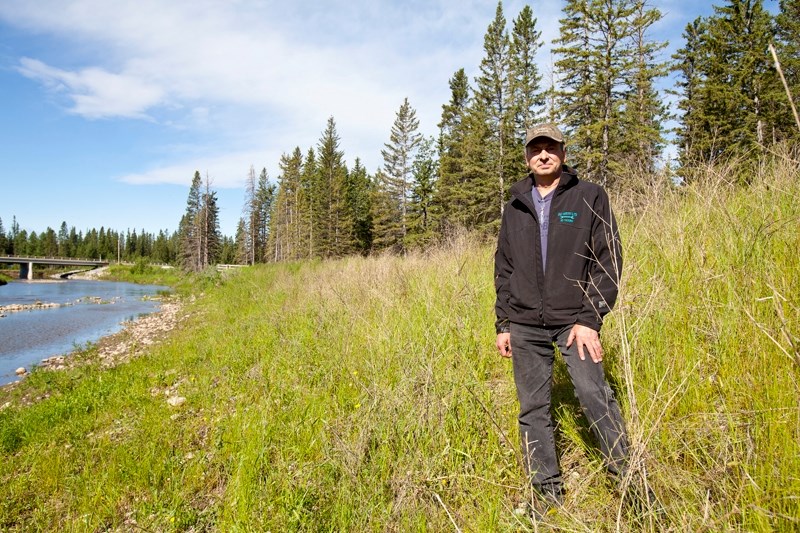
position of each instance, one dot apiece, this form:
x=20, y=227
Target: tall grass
x=365, y=394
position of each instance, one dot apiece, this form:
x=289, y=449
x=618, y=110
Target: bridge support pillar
x=26, y=270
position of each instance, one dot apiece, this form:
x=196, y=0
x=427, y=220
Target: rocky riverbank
x=134, y=339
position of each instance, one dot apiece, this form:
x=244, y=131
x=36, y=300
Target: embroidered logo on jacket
x=567, y=217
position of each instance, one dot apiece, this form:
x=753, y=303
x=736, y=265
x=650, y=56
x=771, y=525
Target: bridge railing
x=51, y=258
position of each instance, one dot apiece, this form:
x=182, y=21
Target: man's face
x=545, y=157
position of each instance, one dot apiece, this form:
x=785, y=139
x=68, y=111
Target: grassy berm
x=365, y=394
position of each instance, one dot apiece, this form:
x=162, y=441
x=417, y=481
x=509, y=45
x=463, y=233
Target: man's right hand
x=503, y=344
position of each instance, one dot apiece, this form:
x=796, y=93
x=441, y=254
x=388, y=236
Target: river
x=89, y=310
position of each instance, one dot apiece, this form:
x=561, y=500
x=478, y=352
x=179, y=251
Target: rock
x=21, y=371
x=175, y=401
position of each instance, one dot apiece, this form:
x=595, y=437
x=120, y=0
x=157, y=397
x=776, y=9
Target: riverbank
x=135, y=338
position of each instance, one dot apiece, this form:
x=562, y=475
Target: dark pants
x=533, y=352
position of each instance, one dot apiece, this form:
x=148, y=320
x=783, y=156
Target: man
x=557, y=269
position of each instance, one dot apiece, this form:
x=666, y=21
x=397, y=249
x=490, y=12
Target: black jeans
x=533, y=352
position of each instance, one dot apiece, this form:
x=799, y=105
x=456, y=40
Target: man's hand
x=503, y=344
x=585, y=337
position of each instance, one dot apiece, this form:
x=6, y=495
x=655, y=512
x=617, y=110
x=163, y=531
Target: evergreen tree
x=189, y=228
x=251, y=222
x=313, y=193
x=787, y=30
x=285, y=220
x=242, y=256
x=265, y=195
x=63, y=240
x=526, y=94
x=737, y=100
x=336, y=230
x=492, y=104
x=452, y=195
x=642, y=119
x=689, y=63
x=595, y=60
x=210, y=235
x=359, y=201
x=387, y=233
x=398, y=157
x=425, y=170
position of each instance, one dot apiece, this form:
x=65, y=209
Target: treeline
x=104, y=243
x=602, y=91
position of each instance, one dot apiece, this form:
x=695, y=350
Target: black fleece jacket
x=584, y=258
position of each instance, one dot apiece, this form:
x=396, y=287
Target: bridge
x=26, y=263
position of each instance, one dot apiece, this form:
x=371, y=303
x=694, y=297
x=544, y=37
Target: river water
x=27, y=337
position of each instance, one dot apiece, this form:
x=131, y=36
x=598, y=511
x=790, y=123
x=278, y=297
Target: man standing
x=557, y=269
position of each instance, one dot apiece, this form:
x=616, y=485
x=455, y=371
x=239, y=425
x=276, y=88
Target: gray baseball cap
x=548, y=130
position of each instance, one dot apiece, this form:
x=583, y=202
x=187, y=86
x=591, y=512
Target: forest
x=736, y=74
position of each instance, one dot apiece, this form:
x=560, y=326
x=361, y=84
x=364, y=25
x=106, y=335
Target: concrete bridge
x=26, y=263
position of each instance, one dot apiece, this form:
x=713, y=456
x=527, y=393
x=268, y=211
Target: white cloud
x=262, y=77
x=96, y=93
x=224, y=171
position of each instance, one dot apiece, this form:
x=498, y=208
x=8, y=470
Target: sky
x=108, y=107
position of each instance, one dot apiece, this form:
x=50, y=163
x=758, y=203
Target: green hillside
x=365, y=394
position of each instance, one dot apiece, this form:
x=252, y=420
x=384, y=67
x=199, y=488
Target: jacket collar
x=521, y=190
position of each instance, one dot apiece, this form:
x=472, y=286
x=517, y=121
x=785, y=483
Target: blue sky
x=108, y=107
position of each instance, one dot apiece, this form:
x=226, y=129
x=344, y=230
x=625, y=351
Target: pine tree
x=424, y=172
x=492, y=103
x=398, y=157
x=787, y=30
x=251, y=222
x=242, y=256
x=211, y=237
x=452, y=197
x=736, y=97
x=336, y=230
x=264, y=198
x=595, y=61
x=359, y=202
x=644, y=113
x=526, y=94
x=189, y=228
x=283, y=245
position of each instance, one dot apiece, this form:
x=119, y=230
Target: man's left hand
x=587, y=339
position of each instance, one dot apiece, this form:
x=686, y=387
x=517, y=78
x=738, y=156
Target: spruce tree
x=283, y=236
x=211, y=237
x=424, y=172
x=644, y=113
x=336, y=230
x=787, y=31
x=189, y=228
x=595, y=60
x=492, y=104
x=736, y=99
x=689, y=63
x=452, y=196
x=251, y=222
x=526, y=93
x=264, y=198
x=242, y=256
x=359, y=202
x=398, y=157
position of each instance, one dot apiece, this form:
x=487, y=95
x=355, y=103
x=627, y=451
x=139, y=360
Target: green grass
x=365, y=394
